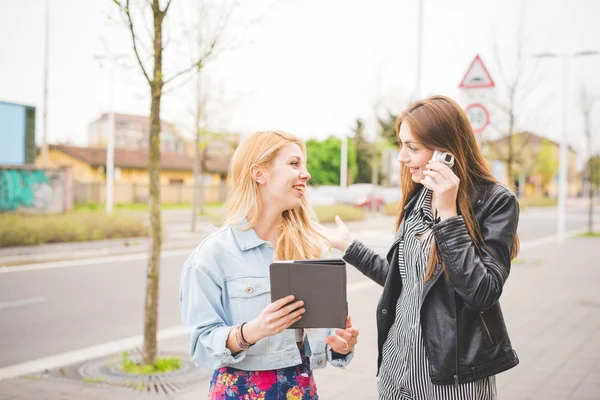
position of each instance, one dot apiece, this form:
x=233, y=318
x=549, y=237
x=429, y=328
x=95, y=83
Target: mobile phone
x=445, y=158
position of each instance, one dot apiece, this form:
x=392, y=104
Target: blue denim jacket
x=225, y=282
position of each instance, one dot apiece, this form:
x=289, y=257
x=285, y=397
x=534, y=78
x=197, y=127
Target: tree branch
x=167, y=7
x=133, y=37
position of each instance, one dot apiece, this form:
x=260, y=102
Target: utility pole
x=419, y=50
x=562, y=158
x=344, y=162
x=45, y=100
x=110, y=146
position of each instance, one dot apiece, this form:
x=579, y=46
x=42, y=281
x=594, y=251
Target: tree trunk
x=153, y=271
x=201, y=170
x=195, y=187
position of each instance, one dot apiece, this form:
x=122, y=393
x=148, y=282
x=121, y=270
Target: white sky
x=309, y=66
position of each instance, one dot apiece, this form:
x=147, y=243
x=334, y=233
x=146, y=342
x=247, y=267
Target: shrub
x=347, y=213
x=29, y=229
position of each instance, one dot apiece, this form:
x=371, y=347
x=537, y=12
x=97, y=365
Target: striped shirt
x=404, y=370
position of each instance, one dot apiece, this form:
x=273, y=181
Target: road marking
x=117, y=346
x=71, y=357
x=23, y=302
x=91, y=261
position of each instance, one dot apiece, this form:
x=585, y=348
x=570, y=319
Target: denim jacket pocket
x=248, y=297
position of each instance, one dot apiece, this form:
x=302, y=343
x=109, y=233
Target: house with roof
x=530, y=153
x=88, y=168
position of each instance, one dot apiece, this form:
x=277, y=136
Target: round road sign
x=479, y=117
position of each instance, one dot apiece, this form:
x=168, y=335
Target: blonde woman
x=225, y=301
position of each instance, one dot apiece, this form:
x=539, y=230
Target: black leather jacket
x=462, y=324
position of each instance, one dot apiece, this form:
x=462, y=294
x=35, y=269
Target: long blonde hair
x=438, y=122
x=296, y=237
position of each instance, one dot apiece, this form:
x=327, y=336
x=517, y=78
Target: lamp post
x=419, y=50
x=344, y=162
x=45, y=114
x=110, y=145
x=562, y=159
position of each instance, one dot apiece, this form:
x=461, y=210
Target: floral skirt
x=292, y=383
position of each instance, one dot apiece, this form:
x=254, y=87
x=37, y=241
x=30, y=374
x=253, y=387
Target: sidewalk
x=551, y=305
x=176, y=235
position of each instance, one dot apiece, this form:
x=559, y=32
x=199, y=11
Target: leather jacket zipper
x=486, y=327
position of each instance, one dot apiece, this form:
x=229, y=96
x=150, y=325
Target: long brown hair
x=439, y=123
x=297, y=239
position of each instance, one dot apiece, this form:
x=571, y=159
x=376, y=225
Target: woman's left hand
x=346, y=339
x=444, y=184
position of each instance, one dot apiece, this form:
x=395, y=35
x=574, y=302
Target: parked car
x=391, y=194
x=364, y=195
x=324, y=195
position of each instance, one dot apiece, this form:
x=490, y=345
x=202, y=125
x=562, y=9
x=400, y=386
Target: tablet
x=321, y=284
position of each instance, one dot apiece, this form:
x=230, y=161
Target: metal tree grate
x=105, y=372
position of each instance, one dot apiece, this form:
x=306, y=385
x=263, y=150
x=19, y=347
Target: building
x=530, y=151
x=88, y=169
x=17, y=134
x=132, y=132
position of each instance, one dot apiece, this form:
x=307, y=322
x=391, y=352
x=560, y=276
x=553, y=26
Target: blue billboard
x=17, y=134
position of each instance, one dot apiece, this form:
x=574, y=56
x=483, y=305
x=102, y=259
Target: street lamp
x=110, y=146
x=562, y=159
x=45, y=114
x=419, y=50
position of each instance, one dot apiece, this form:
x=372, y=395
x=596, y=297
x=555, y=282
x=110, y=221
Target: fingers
x=348, y=322
x=429, y=184
x=339, y=222
x=277, y=304
x=337, y=345
x=289, y=319
x=282, y=312
x=344, y=341
x=349, y=335
x=443, y=171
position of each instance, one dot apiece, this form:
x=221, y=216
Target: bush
x=537, y=202
x=390, y=209
x=28, y=229
x=347, y=213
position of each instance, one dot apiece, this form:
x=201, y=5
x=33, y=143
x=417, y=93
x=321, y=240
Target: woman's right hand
x=340, y=237
x=274, y=319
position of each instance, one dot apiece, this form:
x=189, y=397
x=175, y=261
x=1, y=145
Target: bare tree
x=517, y=84
x=132, y=11
x=204, y=35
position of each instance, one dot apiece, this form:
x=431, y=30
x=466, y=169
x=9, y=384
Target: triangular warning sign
x=477, y=76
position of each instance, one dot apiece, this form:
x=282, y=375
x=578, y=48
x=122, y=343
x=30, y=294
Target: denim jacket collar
x=246, y=236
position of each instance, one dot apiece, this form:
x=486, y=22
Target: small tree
x=364, y=153
x=156, y=80
x=516, y=82
x=387, y=127
x=324, y=160
x=547, y=165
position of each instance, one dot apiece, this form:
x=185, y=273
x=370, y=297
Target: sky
x=310, y=67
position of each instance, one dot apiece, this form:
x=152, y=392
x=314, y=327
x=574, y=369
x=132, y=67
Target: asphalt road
x=52, y=311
